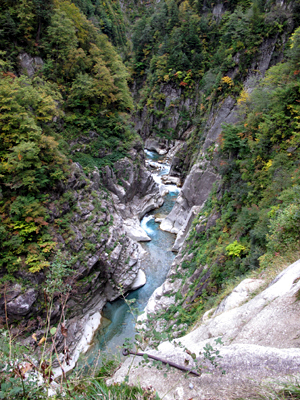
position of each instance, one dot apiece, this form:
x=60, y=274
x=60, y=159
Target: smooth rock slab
x=135, y=231
x=139, y=281
x=261, y=338
x=245, y=366
x=239, y=294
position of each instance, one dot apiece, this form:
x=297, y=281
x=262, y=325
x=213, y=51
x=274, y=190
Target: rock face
x=136, y=193
x=30, y=65
x=202, y=176
x=22, y=304
x=255, y=347
x=195, y=192
x=174, y=105
x=103, y=234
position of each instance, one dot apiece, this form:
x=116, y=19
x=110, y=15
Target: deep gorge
x=88, y=92
x=155, y=263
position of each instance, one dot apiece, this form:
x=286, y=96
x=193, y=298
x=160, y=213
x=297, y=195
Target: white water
x=144, y=224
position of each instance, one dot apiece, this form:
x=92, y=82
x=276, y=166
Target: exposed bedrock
x=195, y=192
x=135, y=191
x=260, y=335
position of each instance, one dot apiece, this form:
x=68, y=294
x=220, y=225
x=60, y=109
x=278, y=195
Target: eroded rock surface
x=261, y=342
x=195, y=192
x=103, y=234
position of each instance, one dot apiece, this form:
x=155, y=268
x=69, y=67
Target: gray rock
x=139, y=281
x=23, y=303
x=132, y=199
x=186, y=227
x=29, y=65
x=195, y=192
x=135, y=231
x=239, y=294
x=10, y=294
x=96, y=179
x=161, y=147
x=261, y=340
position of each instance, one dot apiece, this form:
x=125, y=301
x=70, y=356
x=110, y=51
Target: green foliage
x=13, y=384
x=121, y=391
x=108, y=17
x=213, y=354
x=31, y=161
x=284, y=228
x=57, y=273
x=234, y=249
x=258, y=202
x=232, y=143
x=80, y=88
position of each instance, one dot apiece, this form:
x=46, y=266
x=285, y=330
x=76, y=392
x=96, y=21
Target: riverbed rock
x=158, y=145
x=136, y=191
x=135, y=231
x=139, y=281
x=166, y=179
x=84, y=329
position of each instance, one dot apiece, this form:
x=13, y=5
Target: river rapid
x=118, y=322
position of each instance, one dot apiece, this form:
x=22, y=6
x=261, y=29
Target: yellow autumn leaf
x=42, y=341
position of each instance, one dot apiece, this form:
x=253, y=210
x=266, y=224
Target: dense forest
x=79, y=87
x=92, y=68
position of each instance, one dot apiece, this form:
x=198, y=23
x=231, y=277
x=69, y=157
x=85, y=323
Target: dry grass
x=276, y=390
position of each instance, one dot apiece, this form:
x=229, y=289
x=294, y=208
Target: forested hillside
x=205, y=51
x=85, y=86
x=75, y=86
